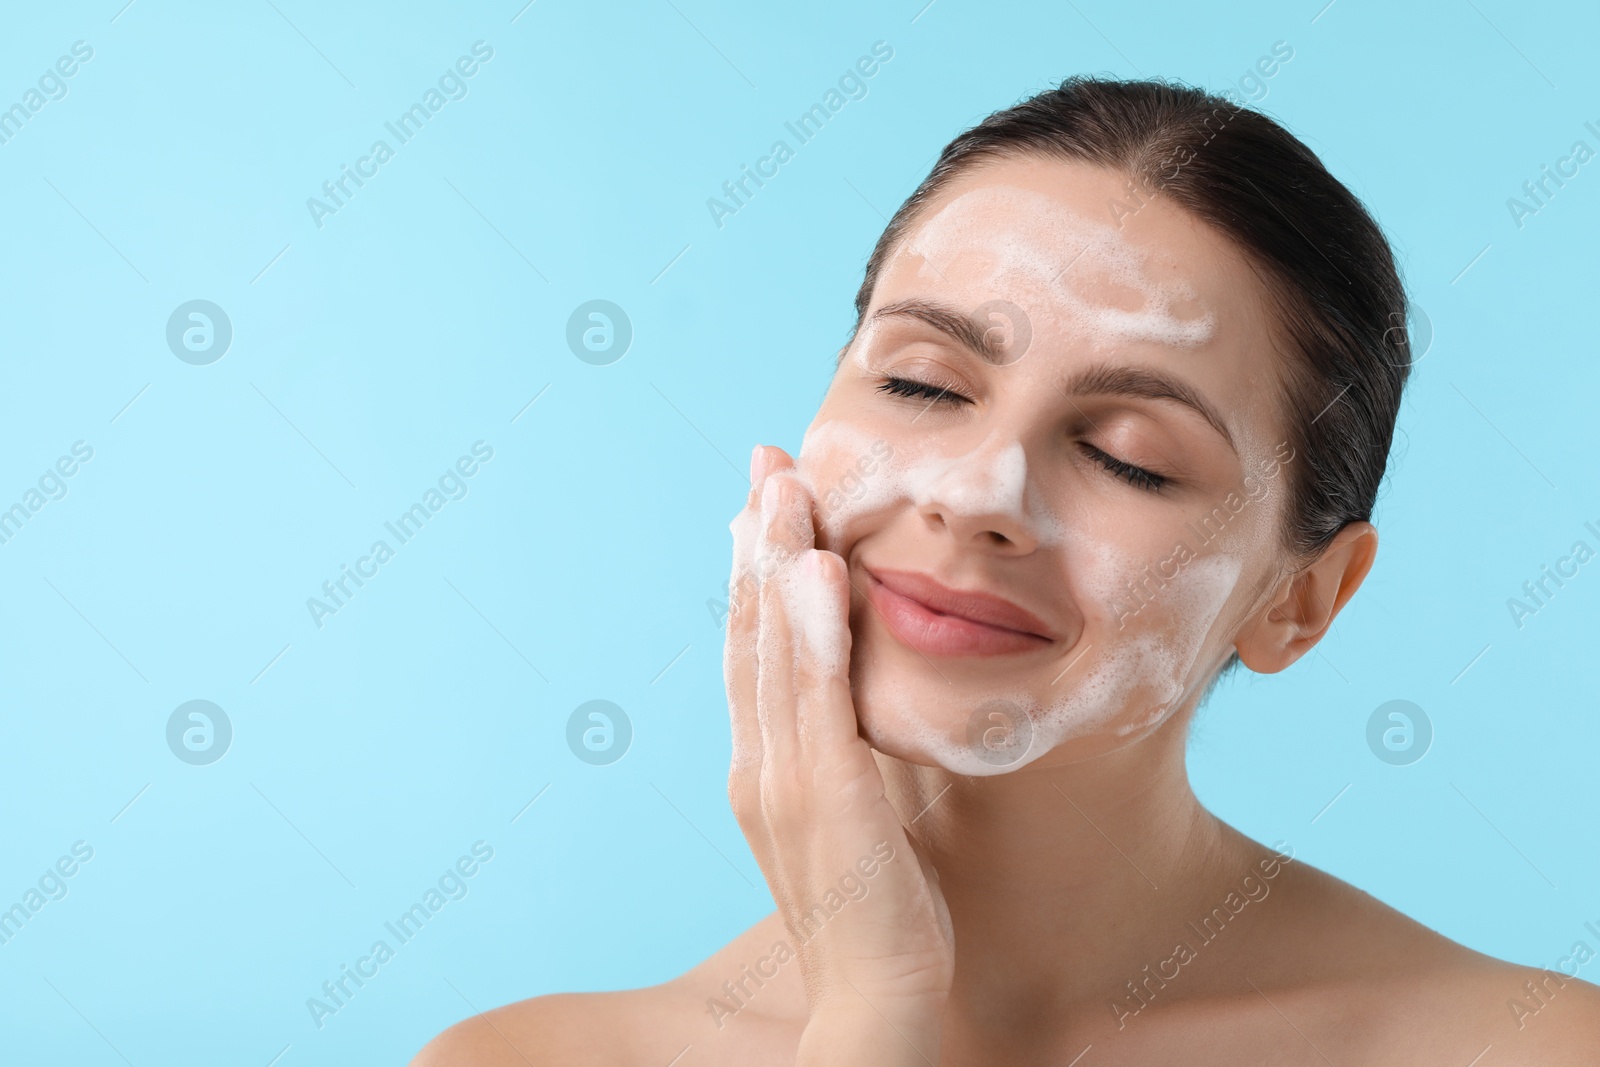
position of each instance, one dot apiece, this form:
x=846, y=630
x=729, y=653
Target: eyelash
x=1137, y=477
x=921, y=390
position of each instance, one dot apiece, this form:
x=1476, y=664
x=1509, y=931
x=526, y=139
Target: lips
x=938, y=620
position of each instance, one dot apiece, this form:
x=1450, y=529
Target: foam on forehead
x=1045, y=258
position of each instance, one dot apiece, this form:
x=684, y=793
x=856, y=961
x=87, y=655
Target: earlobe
x=1303, y=607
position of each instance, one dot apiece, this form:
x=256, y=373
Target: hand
x=861, y=903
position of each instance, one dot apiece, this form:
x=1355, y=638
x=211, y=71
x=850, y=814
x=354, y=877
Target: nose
x=980, y=497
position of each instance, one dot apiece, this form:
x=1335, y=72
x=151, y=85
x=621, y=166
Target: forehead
x=1098, y=268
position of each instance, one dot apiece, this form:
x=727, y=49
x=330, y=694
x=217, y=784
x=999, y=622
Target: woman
x=1121, y=391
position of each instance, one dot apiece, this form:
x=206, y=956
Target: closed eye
x=916, y=390
x=1137, y=477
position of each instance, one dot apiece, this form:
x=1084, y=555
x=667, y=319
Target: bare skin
x=1081, y=902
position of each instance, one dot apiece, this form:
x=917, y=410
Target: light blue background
x=429, y=311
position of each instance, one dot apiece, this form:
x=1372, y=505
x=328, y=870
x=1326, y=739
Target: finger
x=787, y=518
x=783, y=516
x=739, y=664
x=764, y=459
x=817, y=590
x=930, y=877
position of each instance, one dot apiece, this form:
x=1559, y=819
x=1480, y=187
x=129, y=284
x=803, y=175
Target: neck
x=1064, y=882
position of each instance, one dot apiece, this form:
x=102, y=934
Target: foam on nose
x=984, y=481
x=979, y=482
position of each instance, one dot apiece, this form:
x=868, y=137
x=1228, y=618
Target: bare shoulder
x=1526, y=1016
x=571, y=1029
x=743, y=1004
x=1390, y=989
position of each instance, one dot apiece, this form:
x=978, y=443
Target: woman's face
x=1112, y=467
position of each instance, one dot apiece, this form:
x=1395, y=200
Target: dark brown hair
x=1327, y=268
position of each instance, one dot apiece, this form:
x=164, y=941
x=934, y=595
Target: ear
x=1304, y=605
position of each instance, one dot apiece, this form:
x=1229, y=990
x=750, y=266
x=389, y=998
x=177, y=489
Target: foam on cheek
x=831, y=441
x=1147, y=662
x=1149, y=668
x=1197, y=602
x=1144, y=666
x=1035, y=260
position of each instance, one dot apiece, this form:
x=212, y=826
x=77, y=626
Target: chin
x=920, y=721
x=919, y=718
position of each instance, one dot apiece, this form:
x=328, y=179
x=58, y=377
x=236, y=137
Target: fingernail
x=757, y=464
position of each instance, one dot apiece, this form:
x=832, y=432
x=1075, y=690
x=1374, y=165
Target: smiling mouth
x=938, y=621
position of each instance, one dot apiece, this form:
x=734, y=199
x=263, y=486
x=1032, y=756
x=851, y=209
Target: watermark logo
x=599, y=732
x=1414, y=331
x=1015, y=330
x=599, y=332
x=999, y=733
x=199, y=732
x=1399, y=733
x=199, y=332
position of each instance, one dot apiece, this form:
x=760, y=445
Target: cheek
x=851, y=473
x=1146, y=614
x=1151, y=637
x=1125, y=673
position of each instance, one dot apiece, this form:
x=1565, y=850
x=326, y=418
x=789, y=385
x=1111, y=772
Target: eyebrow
x=966, y=330
x=1100, y=379
x=1142, y=383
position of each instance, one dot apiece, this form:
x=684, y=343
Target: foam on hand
x=818, y=619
